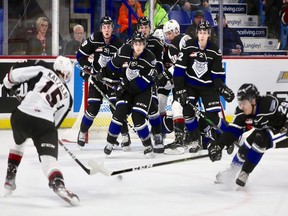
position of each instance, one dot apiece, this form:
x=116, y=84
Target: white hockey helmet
x=159, y=34
x=171, y=25
x=64, y=66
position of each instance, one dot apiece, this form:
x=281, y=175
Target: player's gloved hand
x=227, y=93
x=163, y=78
x=86, y=72
x=181, y=96
x=120, y=90
x=214, y=151
x=101, y=74
x=14, y=91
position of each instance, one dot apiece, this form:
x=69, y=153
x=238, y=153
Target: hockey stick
x=212, y=124
x=101, y=92
x=100, y=167
x=91, y=171
x=110, y=103
x=202, y=115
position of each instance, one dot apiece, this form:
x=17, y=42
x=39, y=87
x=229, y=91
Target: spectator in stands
x=123, y=18
x=40, y=44
x=193, y=5
x=232, y=44
x=253, y=7
x=191, y=30
x=284, y=13
x=167, y=4
x=272, y=19
x=160, y=15
x=73, y=45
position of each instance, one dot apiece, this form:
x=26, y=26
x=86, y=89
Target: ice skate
x=176, y=147
x=228, y=176
x=109, y=148
x=148, y=152
x=242, y=178
x=9, y=184
x=126, y=142
x=81, y=139
x=193, y=141
x=59, y=188
x=196, y=146
x=158, y=144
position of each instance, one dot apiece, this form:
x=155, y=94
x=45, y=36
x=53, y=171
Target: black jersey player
x=135, y=95
x=268, y=117
x=156, y=47
x=199, y=73
x=103, y=45
x=171, y=30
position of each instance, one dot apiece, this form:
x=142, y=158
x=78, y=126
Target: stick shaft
x=148, y=166
x=202, y=115
x=88, y=171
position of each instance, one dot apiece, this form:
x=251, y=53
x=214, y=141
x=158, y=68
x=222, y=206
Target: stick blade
x=97, y=167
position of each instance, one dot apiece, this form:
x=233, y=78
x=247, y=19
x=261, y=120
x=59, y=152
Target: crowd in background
x=39, y=43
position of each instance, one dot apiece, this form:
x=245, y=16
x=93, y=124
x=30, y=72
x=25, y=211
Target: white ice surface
x=180, y=189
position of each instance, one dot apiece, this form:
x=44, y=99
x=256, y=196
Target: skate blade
x=150, y=155
x=176, y=151
x=239, y=188
x=72, y=200
x=126, y=148
x=8, y=193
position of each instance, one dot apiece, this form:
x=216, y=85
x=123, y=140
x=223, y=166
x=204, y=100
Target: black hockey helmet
x=143, y=21
x=138, y=37
x=106, y=20
x=247, y=91
x=204, y=25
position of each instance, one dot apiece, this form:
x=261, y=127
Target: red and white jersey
x=47, y=97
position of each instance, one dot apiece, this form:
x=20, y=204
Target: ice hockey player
x=199, y=73
x=103, y=44
x=156, y=47
x=134, y=95
x=38, y=117
x=269, y=118
x=171, y=30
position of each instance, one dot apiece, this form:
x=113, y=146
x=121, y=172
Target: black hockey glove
x=226, y=93
x=214, y=151
x=119, y=91
x=181, y=96
x=86, y=72
x=163, y=78
x=14, y=91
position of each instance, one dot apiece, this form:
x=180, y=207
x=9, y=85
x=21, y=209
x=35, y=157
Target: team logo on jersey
x=103, y=60
x=133, y=63
x=132, y=74
x=200, y=68
x=106, y=50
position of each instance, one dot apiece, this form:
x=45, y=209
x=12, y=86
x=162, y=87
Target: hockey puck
x=119, y=177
